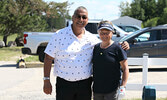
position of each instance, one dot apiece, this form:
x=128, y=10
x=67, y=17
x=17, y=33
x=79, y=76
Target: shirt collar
x=70, y=31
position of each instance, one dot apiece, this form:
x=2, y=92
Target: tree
x=151, y=12
x=125, y=9
x=161, y=4
x=151, y=22
x=163, y=18
x=136, y=10
x=162, y=11
x=150, y=9
x=133, y=10
x=20, y=15
x=56, y=14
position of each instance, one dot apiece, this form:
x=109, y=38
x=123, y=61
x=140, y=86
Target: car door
x=162, y=44
x=144, y=43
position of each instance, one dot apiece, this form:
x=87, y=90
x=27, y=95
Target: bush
x=152, y=22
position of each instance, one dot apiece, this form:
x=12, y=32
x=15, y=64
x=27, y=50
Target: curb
x=34, y=64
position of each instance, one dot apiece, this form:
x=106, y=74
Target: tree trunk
x=5, y=40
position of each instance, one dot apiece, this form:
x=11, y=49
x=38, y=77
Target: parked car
x=119, y=33
x=129, y=28
x=93, y=25
x=151, y=40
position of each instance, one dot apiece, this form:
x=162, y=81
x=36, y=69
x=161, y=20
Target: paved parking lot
x=22, y=83
x=27, y=83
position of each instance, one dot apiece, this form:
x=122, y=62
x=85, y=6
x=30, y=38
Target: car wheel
x=41, y=54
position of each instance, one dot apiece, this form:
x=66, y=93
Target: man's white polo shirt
x=72, y=56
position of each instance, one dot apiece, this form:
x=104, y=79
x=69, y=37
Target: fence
x=145, y=62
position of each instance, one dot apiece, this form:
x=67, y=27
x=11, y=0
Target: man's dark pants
x=78, y=90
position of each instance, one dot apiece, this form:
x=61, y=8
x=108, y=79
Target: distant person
x=72, y=50
x=108, y=56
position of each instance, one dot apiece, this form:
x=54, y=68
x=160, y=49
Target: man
x=71, y=48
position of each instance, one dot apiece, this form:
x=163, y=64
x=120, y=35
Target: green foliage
x=125, y=9
x=161, y=4
x=151, y=12
x=151, y=22
x=150, y=9
x=18, y=16
x=163, y=18
x=57, y=14
x=136, y=10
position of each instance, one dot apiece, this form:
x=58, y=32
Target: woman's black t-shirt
x=106, y=67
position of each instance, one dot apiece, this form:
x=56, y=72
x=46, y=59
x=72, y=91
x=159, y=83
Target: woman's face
x=105, y=35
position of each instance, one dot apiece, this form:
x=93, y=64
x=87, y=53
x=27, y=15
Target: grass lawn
x=10, y=53
x=32, y=58
x=14, y=53
x=10, y=38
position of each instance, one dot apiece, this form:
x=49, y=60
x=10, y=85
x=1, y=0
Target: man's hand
x=125, y=45
x=47, y=88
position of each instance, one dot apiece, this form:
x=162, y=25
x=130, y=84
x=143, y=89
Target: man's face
x=80, y=19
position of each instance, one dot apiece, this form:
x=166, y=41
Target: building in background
x=126, y=20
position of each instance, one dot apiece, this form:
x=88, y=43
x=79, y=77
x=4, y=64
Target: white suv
x=93, y=25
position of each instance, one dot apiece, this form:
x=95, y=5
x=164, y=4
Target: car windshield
x=131, y=35
x=121, y=31
x=129, y=28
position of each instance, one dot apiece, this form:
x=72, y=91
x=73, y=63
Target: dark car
x=151, y=40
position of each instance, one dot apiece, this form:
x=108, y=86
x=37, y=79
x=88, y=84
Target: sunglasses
x=83, y=17
x=101, y=33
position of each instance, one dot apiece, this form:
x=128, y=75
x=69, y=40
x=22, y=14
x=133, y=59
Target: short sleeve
x=121, y=53
x=51, y=47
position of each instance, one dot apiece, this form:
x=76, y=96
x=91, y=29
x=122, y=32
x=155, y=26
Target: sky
x=97, y=9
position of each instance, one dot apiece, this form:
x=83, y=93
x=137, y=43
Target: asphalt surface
x=27, y=83
x=22, y=83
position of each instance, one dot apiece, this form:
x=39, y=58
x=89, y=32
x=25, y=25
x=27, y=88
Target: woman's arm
x=125, y=69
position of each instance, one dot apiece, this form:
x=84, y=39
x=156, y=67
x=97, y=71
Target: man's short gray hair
x=80, y=7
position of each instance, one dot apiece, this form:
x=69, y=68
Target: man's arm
x=125, y=45
x=47, y=88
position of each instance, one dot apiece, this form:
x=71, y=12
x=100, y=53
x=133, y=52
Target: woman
x=108, y=56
